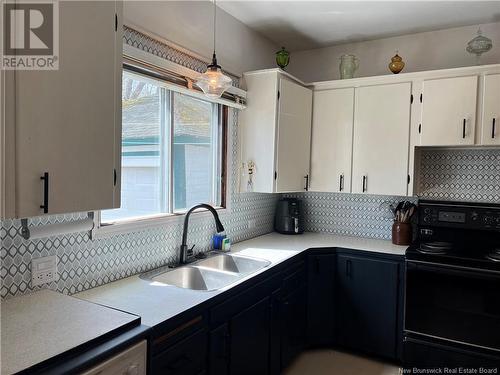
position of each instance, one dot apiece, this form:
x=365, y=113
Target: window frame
x=156, y=220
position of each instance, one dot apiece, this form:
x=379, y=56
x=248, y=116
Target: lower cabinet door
x=367, y=304
x=249, y=338
x=294, y=323
x=219, y=350
x=187, y=357
x=275, y=334
x=320, y=298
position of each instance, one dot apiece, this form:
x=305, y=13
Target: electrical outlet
x=43, y=270
x=252, y=223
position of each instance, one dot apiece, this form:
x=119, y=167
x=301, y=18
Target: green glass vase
x=282, y=58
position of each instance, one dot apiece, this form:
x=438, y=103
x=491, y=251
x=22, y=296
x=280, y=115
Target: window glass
x=171, y=151
x=194, y=151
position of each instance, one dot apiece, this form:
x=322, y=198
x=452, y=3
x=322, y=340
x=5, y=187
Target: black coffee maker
x=289, y=218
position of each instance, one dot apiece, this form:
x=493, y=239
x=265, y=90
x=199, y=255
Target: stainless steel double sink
x=215, y=272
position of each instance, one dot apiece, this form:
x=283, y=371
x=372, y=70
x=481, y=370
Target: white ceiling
x=300, y=25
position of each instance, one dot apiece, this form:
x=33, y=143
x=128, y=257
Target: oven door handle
x=453, y=270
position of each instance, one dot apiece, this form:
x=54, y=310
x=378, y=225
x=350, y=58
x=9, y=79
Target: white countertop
x=155, y=302
x=43, y=324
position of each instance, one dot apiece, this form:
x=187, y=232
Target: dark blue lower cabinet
x=219, y=350
x=249, y=331
x=275, y=333
x=187, y=357
x=320, y=299
x=293, y=336
x=334, y=299
x=241, y=346
x=367, y=305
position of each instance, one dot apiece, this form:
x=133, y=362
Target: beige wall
x=189, y=24
x=423, y=51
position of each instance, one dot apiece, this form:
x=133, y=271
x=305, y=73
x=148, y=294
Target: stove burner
x=494, y=255
x=436, y=247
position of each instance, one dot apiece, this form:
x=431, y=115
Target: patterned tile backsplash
x=348, y=214
x=84, y=263
x=462, y=175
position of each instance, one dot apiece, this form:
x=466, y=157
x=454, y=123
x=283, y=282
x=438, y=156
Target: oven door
x=458, y=304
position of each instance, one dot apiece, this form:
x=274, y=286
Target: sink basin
x=233, y=263
x=193, y=278
x=215, y=272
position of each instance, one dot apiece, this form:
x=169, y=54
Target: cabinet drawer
x=176, y=333
x=226, y=310
x=188, y=357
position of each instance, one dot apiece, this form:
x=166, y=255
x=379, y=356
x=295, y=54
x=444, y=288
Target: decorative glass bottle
x=479, y=45
x=282, y=58
x=348, y=65
x=397, y=64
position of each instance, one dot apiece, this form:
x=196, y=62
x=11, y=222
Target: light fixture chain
x=215, y=20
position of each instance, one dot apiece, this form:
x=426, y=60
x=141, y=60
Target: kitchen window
x=173, y=151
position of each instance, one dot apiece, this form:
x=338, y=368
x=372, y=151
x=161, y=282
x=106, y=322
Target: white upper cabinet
x=449, y=111
x=381, y=139
x=294, y=137
x=364, y=131
x=331, y=153
x=275, y=133
x=68, y=121
x=490, y=130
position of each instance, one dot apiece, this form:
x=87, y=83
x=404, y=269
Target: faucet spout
x=185, y=252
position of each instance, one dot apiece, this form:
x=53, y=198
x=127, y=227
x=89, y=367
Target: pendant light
x=213, y=82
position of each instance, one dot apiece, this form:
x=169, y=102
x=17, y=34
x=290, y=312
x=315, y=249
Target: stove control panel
x=460, y=216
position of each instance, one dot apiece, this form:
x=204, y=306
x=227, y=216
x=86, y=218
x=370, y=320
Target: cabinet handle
x=341, y=183
x=348, y=267
x=364, y=183
x=463, y=128
x=45, y=205
x=493, y=128
x=306, y=188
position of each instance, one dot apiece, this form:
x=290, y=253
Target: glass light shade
x=213, y=82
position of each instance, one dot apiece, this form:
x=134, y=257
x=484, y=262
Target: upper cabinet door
x=68, y=121
x=381, y=138
x=491, y=111
x=331, y=153
x=449, y=111
x=257, y=132
x=294, y=137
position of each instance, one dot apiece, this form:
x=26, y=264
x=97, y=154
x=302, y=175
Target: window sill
x=129, y=226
